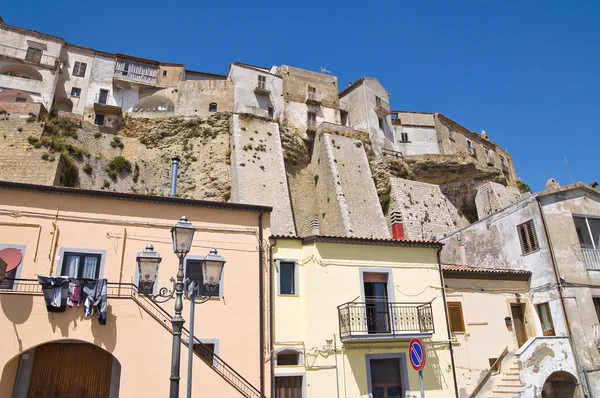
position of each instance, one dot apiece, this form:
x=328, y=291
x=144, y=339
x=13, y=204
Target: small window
x=20, y=99
x=262, y=82
x=99, y=119
x=404, y=137
x=271, y=112
x=79, y=69
x=527, y=236
x=597, y=306
x=488, y=159
x=470, y=148
x=206, y=352
x=287, y=277
x=312, y=116
x=288, y=358
x=502, y=161
x=380, y=123
x=81, y=265
x=164, y=73
x=455, y=313
x=75, y=92
x=378, y=101
x=288, y=386
x=451, y=134
x=33, y=55
x=212, y=107
x=546, y=319
x=202, y=291
x=312, y=89
x=344, y=118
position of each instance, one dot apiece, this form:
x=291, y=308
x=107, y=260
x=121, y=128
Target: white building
x=257, y=91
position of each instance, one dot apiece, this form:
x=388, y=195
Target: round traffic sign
x=416, y=353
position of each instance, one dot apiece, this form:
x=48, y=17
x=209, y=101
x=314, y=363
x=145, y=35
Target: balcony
x=311, y=125
x=471, y=151
x=262, y=89
x=108, y=104
x=382, y=108
x=313, y=98
x=384, y=321
x=19, y=83
x=591, y=258
x=24, y=55
x=135, y=72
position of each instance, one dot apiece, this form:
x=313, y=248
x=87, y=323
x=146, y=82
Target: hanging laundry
x=74, y=293
x=94, y=299
x=55, y=290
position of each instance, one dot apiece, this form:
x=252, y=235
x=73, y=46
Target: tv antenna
x=323, y=70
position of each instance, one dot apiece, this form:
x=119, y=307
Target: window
x=79, y=69
x=386, y=379
x=502, y=163
x=588, y=232
x=545, y=319
x=344, y=118
x=212, y=107
x=33, y=55
x=451, y=134
x=287, y=277
x=455, y=314
x=99, y=119
x=597, y=306
x=14, y=260
x=470, y=148
x=527, y=236
x=271, y=111
x=164, y=73
x=288, y=358
x=262, y=82
x=75, y=92
x=488, y=159
x=81, y=265
x=377, y=101
x=202, y=291
x=312, y=89
x=205, y=351
x=288, y=387
x=20, y=99
x=380, y=122
x=312, y=116
x=404, y=137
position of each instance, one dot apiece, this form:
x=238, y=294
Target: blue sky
x=527, y=72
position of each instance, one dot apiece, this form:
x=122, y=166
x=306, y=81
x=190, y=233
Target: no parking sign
x=416, y=354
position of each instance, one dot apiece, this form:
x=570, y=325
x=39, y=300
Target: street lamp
x=208, y=273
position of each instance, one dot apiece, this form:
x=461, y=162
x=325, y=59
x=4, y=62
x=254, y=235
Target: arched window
x=212, y=107
x=288, y=357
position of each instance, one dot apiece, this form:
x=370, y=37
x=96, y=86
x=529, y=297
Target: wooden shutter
x=527, y=236
x=288, y=387
x=455, y=314
x=372, y=277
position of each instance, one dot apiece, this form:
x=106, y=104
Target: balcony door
x=376, y=300
x=103, y=97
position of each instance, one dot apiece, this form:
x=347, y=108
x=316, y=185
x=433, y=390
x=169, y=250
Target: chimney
x=461, y=250
x=397, y=225
x=314, y=227
x=174, y=169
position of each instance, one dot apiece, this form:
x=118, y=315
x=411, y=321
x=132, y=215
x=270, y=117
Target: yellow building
x=344, y=311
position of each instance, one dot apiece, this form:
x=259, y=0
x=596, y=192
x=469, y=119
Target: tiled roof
x=464, y=271
x=361, y=241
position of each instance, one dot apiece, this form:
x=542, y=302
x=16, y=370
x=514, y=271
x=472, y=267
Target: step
x=520, y=385
x=512, y=374
x=513, y=379
x=506, y=392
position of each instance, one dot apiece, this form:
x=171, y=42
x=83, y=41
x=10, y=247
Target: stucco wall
x=421, y=140
x=328, y=276
x=247, y=101
x=120, y=229
x=66, y=79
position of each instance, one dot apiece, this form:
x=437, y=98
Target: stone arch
x=561, y=384
x=50, y=366
x=63, y=104
x=154, y=103
x=15, y=96
x=23, y=71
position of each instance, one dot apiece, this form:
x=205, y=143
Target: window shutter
x=82, y=67
x=456, y=317
x=531, y=236
x=523, y=238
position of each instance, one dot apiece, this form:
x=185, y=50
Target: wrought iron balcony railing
x=382, y=108
x=313, y=98
x=262, y=88
x=383, y=320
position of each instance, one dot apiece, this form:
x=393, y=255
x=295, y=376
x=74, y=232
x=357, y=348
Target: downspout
x=562, y=299
x=271, y=317
x=447, y=320
x=261, y=298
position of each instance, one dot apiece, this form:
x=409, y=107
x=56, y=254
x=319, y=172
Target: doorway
x=386, y=378
x=517, y=312
x=103, y=97
x=376, y=302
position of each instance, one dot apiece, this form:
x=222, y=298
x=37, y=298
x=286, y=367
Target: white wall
x=101, y=78
x=422, y=140
x=245, y=100
x=66, y=79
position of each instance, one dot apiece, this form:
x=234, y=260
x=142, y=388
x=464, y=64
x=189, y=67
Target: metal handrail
x=130, y=290
x=19, y=53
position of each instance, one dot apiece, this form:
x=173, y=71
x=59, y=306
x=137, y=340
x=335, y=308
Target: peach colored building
x=54, y=231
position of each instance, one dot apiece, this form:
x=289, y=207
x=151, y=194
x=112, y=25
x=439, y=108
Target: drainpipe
x=174, y=169
x=272, y=316
x=562, y=300
x=447, y=321
x=261, y=298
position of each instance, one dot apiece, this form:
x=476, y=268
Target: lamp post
x=209, y=273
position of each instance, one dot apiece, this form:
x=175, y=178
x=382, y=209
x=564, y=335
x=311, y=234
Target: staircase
x=507, y=383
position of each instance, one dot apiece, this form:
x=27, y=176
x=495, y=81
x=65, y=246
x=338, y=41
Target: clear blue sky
x=527, y=72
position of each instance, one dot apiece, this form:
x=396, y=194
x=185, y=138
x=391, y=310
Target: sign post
x=416, y=352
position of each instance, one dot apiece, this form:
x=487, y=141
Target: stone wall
x=258, y=171
x=491, y=197
x=346, y=194
x=426, y=212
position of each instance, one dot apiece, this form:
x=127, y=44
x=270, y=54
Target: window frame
x=308, y=116
x=381, y=123
x=60, y=260
x=539, y=308
x=586, y=218
x=404, y=379
x=96, y=119
x=451, y=134
x=284, y=375
x=458, y=305
x=17, y=270
x=75, y=96
x=210, y=107
x=77, y=67
x=37, y=58
x=220, y=294
x=525, y=252
x=296, y=286
x=262, y=82
x=404, y=137
x=215, y=343
x=289, y=350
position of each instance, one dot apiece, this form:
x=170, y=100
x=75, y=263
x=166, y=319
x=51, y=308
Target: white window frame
x=587, y=224
x=221, y=283
x=75, y=96
x=22, y=248
x=215, y=351
x=77, y=69
x=296, y=277
x=390, y=282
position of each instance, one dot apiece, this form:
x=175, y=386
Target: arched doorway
x=67, y=369
x=63, y=104
x=15, y=96
x=561, y=384
x=154, y=103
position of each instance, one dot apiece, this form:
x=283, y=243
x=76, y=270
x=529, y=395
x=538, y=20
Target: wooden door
x=519, y=323
x=70, y=370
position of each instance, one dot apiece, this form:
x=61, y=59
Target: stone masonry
x=491, y=197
